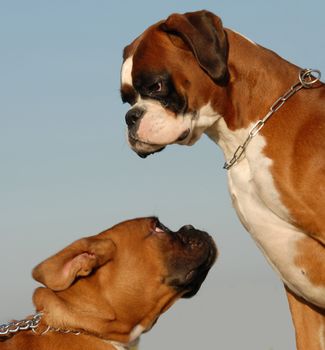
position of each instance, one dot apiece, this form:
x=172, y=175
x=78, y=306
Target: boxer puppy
x=113, y=286
x=188, y=75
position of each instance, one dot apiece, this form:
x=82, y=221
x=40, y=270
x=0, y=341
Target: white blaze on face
x=126, y=72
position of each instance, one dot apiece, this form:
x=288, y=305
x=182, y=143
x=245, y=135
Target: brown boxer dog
x=188, y=75
x=110, y=288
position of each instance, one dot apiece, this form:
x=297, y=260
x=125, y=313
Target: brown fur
x=106, y=285
x=295, y=135
x=309, y=320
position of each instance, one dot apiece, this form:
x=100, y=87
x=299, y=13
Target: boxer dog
x=110, y=288
x=188, y=75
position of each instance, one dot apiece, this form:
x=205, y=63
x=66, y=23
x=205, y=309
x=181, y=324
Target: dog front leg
x=309, y=323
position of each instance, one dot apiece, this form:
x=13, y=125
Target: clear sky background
x=67, y=171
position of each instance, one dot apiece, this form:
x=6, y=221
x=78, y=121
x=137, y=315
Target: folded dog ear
x=203, y=32
x=78, y=259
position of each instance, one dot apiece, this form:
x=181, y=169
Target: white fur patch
x=117, y=345
x=159, y=126
x=126, y=72
x=261, y=211
x=136, y=332
x=204, y=119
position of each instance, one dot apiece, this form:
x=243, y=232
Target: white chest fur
x=259, y=208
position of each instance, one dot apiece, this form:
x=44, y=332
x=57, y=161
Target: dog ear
x=78, y=259
x=203, y=32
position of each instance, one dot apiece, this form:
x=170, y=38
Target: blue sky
x=67, y=171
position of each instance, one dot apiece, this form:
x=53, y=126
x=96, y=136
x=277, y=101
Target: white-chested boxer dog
x=111, y=287
x=188, y=75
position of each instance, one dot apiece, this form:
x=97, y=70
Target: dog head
x=171, y=76
x=117, y=283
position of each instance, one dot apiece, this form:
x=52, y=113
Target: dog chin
x=145, y=154
x=144, y=149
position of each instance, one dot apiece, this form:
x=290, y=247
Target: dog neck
x=40, y=330
x=112, y=344
x=61, y=312
x=254, y=85
x=252, y=90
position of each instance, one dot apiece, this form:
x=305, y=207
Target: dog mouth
x=144, y=148
x=190, y=255
x=204, y=247
x=183, y=136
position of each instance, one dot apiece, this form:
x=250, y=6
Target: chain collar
x=33, y=322
x=306, y=80
x=22, y=325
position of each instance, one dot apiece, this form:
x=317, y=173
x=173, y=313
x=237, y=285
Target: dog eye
x=156, y=87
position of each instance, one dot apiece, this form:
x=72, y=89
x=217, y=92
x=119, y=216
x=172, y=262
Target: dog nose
x=133, y=115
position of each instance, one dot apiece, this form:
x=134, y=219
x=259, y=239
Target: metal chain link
x=32, y=323
x=59, y=330
x=22, y=325
x=306, y=80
